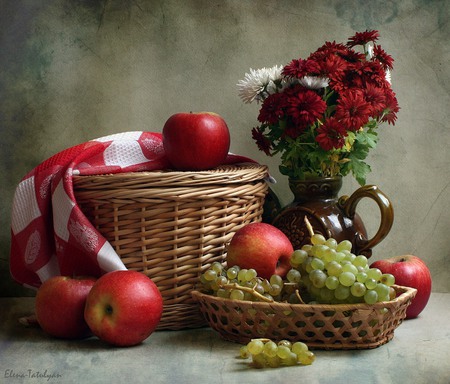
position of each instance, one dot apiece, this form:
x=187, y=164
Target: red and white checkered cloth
x=49, y=233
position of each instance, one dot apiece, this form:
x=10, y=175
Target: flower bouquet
x=321, y=113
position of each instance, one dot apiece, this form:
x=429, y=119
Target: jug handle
x=349, y=204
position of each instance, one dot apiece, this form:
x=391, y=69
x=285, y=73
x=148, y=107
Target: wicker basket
x=172, y=225
x=343, y=326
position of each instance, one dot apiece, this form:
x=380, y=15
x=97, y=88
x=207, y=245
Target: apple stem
x=309, y=226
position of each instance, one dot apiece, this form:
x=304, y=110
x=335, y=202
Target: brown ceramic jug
x=332, y=216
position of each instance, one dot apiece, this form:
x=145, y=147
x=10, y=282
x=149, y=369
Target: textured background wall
x=75, y=70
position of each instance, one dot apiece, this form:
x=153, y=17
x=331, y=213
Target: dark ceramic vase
x=332, y=216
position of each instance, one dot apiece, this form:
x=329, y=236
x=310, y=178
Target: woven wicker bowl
x=352, y=326
x=172, y=225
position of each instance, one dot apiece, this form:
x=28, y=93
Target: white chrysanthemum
x=369, y=54
x=259, y=83
x=314, y=82
x=388, y=76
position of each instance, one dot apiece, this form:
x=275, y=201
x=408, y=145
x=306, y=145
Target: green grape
x=298, y=347
x=344, y=245
x=216, y=266
x=392, y=293
x=259, y=288
x=370, y=283
x=350, y=257
x=273, y=361
x=298, y=257
x=382, y=290
x=233, y=272
x=326, y=295
x=388, y=279
x=361, y=277
x=283, y=352
x=266, y=285
x=347, y=278
x=374, y=273
x=270, y=348
x=259, y=360
x=339, y=256
x=319, y=250
x=210, y=275
x=293, y=276
x=329, y=255
x=331, y=243
x=250, y=274
x=236, y=294
x=342, y=292
x=332, y=282
x=358, y=289
x=241, y=275
x=290, y=360
x=360, y=261
x=306, y=248
x=286, y=343
x=243, y=352
x=318, y=278
x=317, y=238
x=275, y=290
x=316, y=263
x=221, y=281
x=255, y=346
x=223, y=293
x=276, y=279
x=306, y=358
x=371, y=297
x=350, y=268
x=334, y=268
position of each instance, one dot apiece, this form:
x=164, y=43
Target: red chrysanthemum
x=272, y=109
x=362, y=38
x=375, y=97
x=371, y=71
x=304, y=106
x=298, y=68
x=331, y=135
x=391, y=107
x=329, y=48
x=379, y=54
x=333, y=67
x=262, y=141
x=352, y=111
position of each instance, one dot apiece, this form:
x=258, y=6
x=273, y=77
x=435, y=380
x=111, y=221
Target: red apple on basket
x=123, y=308
x=409, y=271
x=260, y=246
x=60, y=303
x=196, y=141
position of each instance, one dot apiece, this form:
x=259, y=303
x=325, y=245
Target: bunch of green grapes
x=332, y=274
x=267, y=353
x=245, y=284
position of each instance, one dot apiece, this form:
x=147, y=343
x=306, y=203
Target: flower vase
x=332, y=216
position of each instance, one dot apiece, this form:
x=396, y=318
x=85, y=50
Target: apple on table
x=60, y=302
x=123, y=308
x=260, y=246
x=409, y=271
x=196, y=141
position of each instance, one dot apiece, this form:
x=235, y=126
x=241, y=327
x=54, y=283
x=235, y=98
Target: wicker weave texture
x=352, y=326
x=172, y=225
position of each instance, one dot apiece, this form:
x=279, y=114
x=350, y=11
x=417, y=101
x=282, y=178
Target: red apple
x=409, y=271
x=60, y=303
x=123, y=308
x=260, y=246
x=196, y=141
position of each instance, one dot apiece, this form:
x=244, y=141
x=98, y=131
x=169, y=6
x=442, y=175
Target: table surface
x=418, y=353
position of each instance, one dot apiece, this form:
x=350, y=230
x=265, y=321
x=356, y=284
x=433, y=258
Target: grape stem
x=309, y=226
x=249, y=290
x=297, y=293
